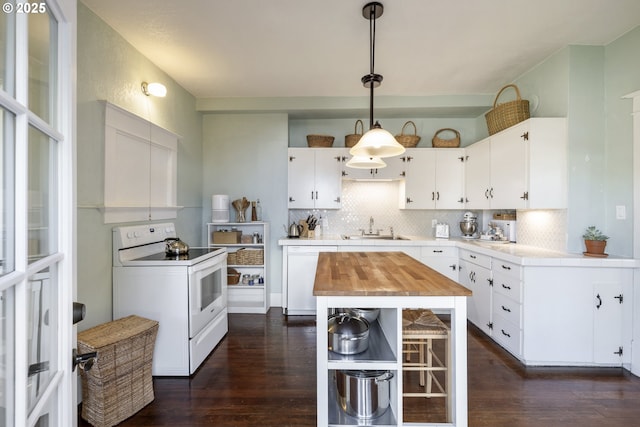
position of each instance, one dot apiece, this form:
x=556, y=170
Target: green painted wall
x=110, y=69
x=245, y=155
x=622, y=76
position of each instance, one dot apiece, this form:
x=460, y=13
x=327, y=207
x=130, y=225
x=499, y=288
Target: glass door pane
x=42, y=195
x=7, y=49
x=7, y=366
x=42, y=65
x=7, y=199
x=42, y=344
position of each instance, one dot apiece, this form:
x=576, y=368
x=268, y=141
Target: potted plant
x=594, y=241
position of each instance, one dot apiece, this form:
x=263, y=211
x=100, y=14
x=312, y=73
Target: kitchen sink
x=371, y=237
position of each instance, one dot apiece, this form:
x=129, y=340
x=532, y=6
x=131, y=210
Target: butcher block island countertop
x=381, y=274
x=393, y=282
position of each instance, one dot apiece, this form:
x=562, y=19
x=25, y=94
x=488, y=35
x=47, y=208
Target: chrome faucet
x=371, y=225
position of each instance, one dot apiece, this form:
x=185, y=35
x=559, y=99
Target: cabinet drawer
x=508, y=268
x=507, y=285
x=439, y=251
x=507, y=335
x=507, y=308
x=476, y=258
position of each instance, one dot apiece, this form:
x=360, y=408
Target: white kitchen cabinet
x=550, y=315
x=506, y=279
x=140, y=182
x=315, y=178
x=443, y=259
x=527, y=166
x=475, y=274
x=245, y=298
x=477, y=175
x=299, y=266
x=576, y=316
x=433, y=179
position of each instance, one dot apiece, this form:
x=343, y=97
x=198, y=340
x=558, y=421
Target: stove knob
x=136, y=234
x=129, y=235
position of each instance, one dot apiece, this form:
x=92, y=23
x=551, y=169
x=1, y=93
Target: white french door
x=37, y=213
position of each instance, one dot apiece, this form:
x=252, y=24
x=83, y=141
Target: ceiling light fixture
x=377, y=142
x=366, y=162
x=155, y=89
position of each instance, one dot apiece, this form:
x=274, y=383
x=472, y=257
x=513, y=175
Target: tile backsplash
x=362, y=200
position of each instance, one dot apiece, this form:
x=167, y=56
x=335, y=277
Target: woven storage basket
x=352, y=139
x=408, y=141
x=233, y=276
x=320, y=140
x=232, y=258
x=507, y=114
x=120, y=383
x=438, y=142
x=250, y=256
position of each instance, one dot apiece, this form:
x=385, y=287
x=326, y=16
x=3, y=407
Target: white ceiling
x=290, y=48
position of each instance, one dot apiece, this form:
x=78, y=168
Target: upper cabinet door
x=140, y=169
x=478, y=175
x=301, y=178
x=314, y=178
x=418, y=191
x=509, y=167
x=449, y=178
x=547, y=164
x=328, y=178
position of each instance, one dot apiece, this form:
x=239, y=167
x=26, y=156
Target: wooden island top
x=380, y=274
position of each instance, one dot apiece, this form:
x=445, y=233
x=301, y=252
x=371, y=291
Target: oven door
x=207, y=292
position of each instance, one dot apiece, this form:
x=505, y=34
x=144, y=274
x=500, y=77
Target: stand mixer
x=469, y=225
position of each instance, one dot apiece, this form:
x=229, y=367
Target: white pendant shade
x=366, y=162
x=377, y=142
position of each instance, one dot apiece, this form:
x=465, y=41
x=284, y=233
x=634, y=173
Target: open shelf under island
x=392, y=282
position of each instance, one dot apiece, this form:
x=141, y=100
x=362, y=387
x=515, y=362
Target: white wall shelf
x=245, y=298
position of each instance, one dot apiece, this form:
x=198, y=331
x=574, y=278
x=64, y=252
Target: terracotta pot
x=595, y=246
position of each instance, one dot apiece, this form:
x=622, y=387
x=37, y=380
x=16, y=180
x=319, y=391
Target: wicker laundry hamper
x=120, y=383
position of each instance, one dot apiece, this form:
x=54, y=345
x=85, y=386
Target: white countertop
x=512, y=252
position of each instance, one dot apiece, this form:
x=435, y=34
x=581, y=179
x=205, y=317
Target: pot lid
x=347, y=325
x=364, y=374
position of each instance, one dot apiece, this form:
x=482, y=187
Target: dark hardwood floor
x=263, y=374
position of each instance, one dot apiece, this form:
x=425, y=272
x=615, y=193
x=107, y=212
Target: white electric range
x=186, y=294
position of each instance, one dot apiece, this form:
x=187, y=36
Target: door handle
x=36, y=368
x=85, y=361
x=79, y=311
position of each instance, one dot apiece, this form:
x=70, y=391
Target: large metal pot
x=363, y=394
x=348, y=334
x=368, y=314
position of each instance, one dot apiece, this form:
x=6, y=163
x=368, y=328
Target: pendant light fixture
x=366, y=162
x=377, y=142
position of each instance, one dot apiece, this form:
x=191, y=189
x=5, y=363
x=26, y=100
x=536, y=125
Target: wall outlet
x=434, y=222
x=621, y=212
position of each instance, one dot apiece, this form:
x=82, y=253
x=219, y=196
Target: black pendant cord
x=372, y=53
